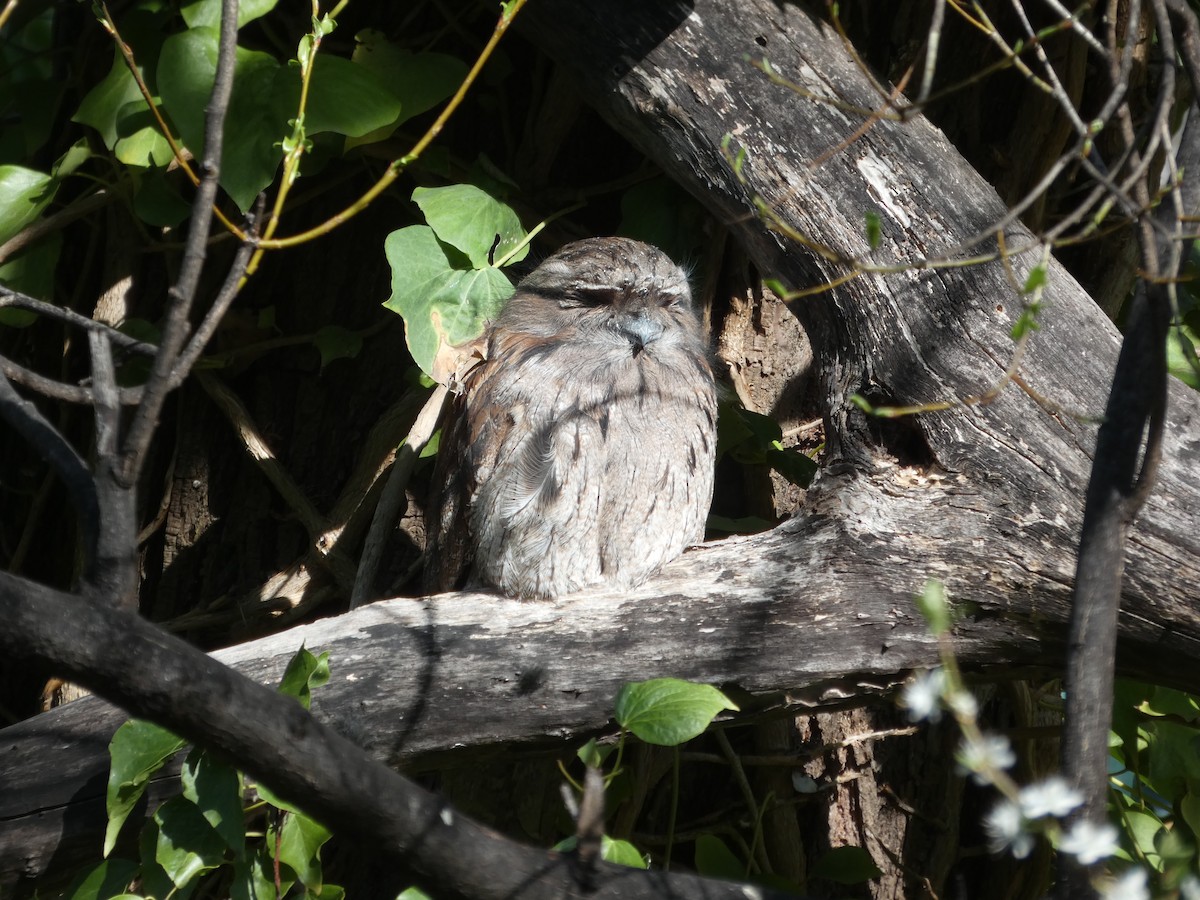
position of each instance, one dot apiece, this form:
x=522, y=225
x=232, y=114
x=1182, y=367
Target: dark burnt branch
x=1128, y=454
x=113, y=578
x=276, y=741
x=17, y=300
x=183, y=292
x=226, y=296
x=24, y=418
x=56, y=390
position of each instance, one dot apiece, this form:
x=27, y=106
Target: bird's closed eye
x=588, y=297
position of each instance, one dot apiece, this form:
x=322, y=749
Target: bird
x=581, y=451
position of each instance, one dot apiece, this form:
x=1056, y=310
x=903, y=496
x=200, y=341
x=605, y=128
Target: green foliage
x=1156, y=773
x=304, y=672
x=846, y=865
x=754, y=439
x=660, y=212
x=446, y=280
x=138, y=750
x=419, y=80
x=667, y=711
x=1184, y=336
x=714, y=859
x=203, y=829
x=107, y=881
x=873, y=230
x=1028, y=320
x=31, y=93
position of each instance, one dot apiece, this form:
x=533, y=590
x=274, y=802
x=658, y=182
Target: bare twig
x=17, y=300
x=182, y=294
x=24, y=418
x=388, y=509
x=229, y=291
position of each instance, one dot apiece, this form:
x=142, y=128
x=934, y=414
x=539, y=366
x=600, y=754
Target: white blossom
x=1052, y=797
x=1130, y=886
x=1007, y=829
x=963, y=703
x=922, y=697
x=1089, y=842
x=992, y=752
x=1189, y=888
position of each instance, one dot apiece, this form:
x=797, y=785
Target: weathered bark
x=988, y=497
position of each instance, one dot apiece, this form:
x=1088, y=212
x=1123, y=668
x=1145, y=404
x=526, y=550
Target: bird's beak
x=641, y=331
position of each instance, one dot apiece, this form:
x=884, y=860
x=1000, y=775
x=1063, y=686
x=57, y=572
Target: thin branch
x=388, y=510
x=228, y=293
x=56, y=390
x=182, y=294
x=1056, y=86
x=934, y=40
x=113, y=579
x=24, y=418
x=508, y=13
x=1078, y=27
x=17, y=300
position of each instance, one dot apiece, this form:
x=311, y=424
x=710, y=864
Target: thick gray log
x=987, y=498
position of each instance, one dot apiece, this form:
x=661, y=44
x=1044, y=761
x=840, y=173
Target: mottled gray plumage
x=581, y=450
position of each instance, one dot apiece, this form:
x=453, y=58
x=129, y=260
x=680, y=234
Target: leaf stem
x=399, y=165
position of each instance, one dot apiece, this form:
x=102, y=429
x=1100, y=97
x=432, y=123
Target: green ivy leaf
x=440, y=303
x=594, y=755
x=144, y=148
x=207, y=13
x=157, y=202
x=1142, y=828
x=345, y=98
x=335, y=342
x=470, y=220
x=31, y=92
x=304, y=672
x=102, y=107
x=250, y=158
x=714, y=859
x=1182, y=361
x=187, y=845
x=106, y=881
x=137, y=751
x=796, y=467
x=622, y=853
x=30, y=272
x=254, y=878
x=1189, y=808
x=419, y=80
x=24, y=193
x=153, y=879
x=846, y=865
x=300, y=841
x=668, y=711
x=216, y=789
